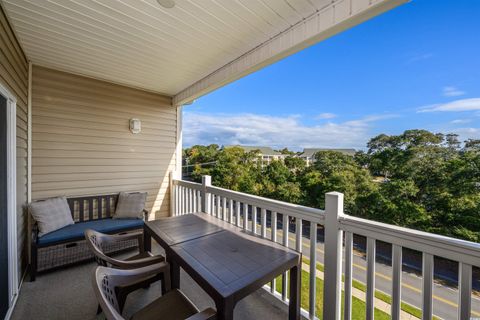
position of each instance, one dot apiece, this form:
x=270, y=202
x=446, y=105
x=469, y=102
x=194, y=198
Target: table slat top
x=179, y=229
x=231, y=261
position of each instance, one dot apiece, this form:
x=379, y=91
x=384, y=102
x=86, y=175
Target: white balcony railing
x=243, y=210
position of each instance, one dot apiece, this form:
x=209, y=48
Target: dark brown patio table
x=226, y=261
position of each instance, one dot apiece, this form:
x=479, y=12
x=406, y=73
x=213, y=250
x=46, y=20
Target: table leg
x=224, y=309
x=174, y=272
x=295, y=283
x=147, y=240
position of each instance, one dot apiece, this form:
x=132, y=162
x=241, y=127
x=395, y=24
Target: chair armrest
x=207, y=314
x=112, y=238
x=129, y=277
x=137, y=263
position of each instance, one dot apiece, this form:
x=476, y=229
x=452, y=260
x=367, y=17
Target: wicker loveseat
x=67, y=245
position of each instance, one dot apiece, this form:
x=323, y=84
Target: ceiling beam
x=334, y=18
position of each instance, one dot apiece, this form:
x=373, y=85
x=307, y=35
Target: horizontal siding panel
x=126, y=134
x=145, y=182
x=121, y=106
x=82, y=144
x=102, y=90
x=160, y=142
x=52, y=145
x=96, y=169
x=102, y=117
x=59, y=177
x=53, y=120
x=37, y=161
x=160, y=155
x=99, y=190
x=99, y=93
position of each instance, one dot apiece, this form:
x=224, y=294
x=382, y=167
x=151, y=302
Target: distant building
x=308, y=154
x=266, y=154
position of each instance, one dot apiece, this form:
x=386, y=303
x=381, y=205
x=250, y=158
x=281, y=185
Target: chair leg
x=33, y=264
x=99, y=310
x=121, y=298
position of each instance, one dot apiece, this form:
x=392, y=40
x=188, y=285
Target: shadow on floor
x=68, y=294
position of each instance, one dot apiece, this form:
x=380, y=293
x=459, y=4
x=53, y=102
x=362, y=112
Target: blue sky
x=417, y=66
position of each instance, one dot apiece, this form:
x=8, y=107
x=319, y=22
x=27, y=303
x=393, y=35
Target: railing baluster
x=237, y=213
x=397, y=281
x=230, y=211
x=254, y=219
x=264, y=223
x=427, y=289
x=181, y=200
x=313, y=271
x=298, y=234
x=245, y=216
x=175, y=210
x=224, y=209
x=273, y=228
x=219, y=207
x=464, y=290
x=194, y=200
x=205, y=196
x=189, y=198
x=347, y=307
x=285, y=243
x=212, y=205
x=370, y=297
x=199, y=201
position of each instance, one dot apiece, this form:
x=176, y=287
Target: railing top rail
x=442, y=246
x=187, y=184
x=294, y=210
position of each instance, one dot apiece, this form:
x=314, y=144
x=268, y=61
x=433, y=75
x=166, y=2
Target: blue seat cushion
x=76, y=231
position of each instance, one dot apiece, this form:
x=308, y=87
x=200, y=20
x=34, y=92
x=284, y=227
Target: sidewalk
x=379, y=304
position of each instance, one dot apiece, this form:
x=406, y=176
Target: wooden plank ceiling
x=142, y=44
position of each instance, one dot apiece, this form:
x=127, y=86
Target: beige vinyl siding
x=14, y=76
x=82, y=144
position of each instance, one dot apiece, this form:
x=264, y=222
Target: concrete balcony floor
x=68, y=294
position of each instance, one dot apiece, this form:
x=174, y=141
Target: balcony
x=326, y=239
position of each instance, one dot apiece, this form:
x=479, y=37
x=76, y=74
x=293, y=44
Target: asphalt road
x=445, y=298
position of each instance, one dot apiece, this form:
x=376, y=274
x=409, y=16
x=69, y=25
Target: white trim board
x=11, y=197
x=336, y=17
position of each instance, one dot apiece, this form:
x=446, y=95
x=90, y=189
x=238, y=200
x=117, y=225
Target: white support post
x=333, y=256
x=206, y=196
x=172, y=195
x=465, y=290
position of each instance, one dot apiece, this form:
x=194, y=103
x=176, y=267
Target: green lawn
x=378, y=294
x=358, y=306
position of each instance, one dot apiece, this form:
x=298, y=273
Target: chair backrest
x=104, y=283
x=96, y=241
x=106, y=280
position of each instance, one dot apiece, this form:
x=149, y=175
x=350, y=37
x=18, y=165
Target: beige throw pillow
x=130, y=205
x=51, y=214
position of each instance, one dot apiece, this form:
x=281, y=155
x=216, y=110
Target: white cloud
x=326, y=115
x=452, y=92
x=467, y=133
x=472, y=104
x=460, y=121
x=419, y=57
x=254, y=129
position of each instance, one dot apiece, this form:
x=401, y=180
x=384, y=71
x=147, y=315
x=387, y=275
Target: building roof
x=309, y=152
x=184, y=52
x=266, y=151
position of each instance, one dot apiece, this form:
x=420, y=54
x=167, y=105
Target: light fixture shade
x=135, y=125
x=166, y=3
